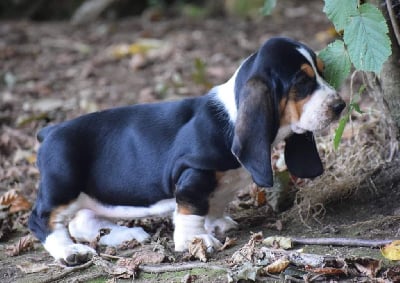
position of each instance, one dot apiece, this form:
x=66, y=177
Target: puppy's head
x=308, y=102
x=281, y=86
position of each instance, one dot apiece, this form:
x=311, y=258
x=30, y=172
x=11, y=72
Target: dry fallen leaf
x=258, y=195
x=248, y=251
x=278, y=242
x=141, y=46
x=24, y=244
x=129, y=245
x=198, y=249
x=21, y=154
x=6, y=222
x=277, y=266
x=246, y=272
x=392, y=251
x=393, y=273
x=148, y=257
x=368, y=266
x=228, y=243
x=128, y=263
x=16, y=201
x=121, y=269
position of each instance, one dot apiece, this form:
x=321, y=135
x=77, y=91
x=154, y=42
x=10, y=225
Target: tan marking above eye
x=320, y=65
x=306, y=68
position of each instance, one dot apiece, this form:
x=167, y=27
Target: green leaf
x=339, y=131
x=357, y=108
x=337, y=63
x=367, y=40
x=340, y=11
x=269, y=5
x=353, y=106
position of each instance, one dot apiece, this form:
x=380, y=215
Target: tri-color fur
x=153, y=159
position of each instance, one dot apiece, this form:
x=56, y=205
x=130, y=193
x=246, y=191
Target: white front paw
x=182, y=242
x=188, y=227
x=220, y=225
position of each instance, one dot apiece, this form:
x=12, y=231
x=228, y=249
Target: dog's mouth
x=316, y=128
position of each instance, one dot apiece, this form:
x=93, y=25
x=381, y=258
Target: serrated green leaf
x=340, y=11
x=339, y=131
x=367, y=40
x=337, y=63
x=269, y=5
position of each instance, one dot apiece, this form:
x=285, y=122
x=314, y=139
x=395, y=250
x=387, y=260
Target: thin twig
x=67, y=271
x=341, y=242
x=170, y=268
x=107, y=256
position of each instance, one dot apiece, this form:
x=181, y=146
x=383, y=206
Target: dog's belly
x=162, y=207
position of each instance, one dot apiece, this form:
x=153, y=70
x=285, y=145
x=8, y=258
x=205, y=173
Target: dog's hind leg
x=50, y=228
x=86, y=225
x=48, y=221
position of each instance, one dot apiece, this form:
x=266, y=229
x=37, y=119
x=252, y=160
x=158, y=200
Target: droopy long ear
x=301, y=156
x=255, y=130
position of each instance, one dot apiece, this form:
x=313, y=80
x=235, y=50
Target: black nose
x=338, y=106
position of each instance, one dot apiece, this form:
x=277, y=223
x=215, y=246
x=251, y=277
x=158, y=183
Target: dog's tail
x=43, y=133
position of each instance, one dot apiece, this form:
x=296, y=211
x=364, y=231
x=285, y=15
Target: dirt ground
x=53, y=71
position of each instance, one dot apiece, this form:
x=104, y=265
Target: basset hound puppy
x=155, y=159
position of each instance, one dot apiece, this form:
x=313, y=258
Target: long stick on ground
x=180, y=267
x=341, y=242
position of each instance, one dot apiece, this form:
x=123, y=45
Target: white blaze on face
x=316, y=114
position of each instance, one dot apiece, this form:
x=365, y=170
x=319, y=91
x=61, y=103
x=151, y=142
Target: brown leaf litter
x=24, y=244
x=254, y=261
x=16, y=201
x=198, y=249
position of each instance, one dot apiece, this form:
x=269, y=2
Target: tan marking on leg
x=185, y=209
x=54, y=216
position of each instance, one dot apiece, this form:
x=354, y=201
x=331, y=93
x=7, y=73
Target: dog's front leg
x=193, y=189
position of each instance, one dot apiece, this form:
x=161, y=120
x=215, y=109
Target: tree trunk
x=390, y=76
x=386, y=87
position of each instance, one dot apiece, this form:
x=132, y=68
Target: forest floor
x=53, y=71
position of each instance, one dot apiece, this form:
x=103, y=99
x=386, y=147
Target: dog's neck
x=225, y=93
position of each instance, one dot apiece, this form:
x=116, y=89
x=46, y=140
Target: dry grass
x=366, y=145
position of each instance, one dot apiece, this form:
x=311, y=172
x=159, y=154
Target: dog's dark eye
x=304, y=86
